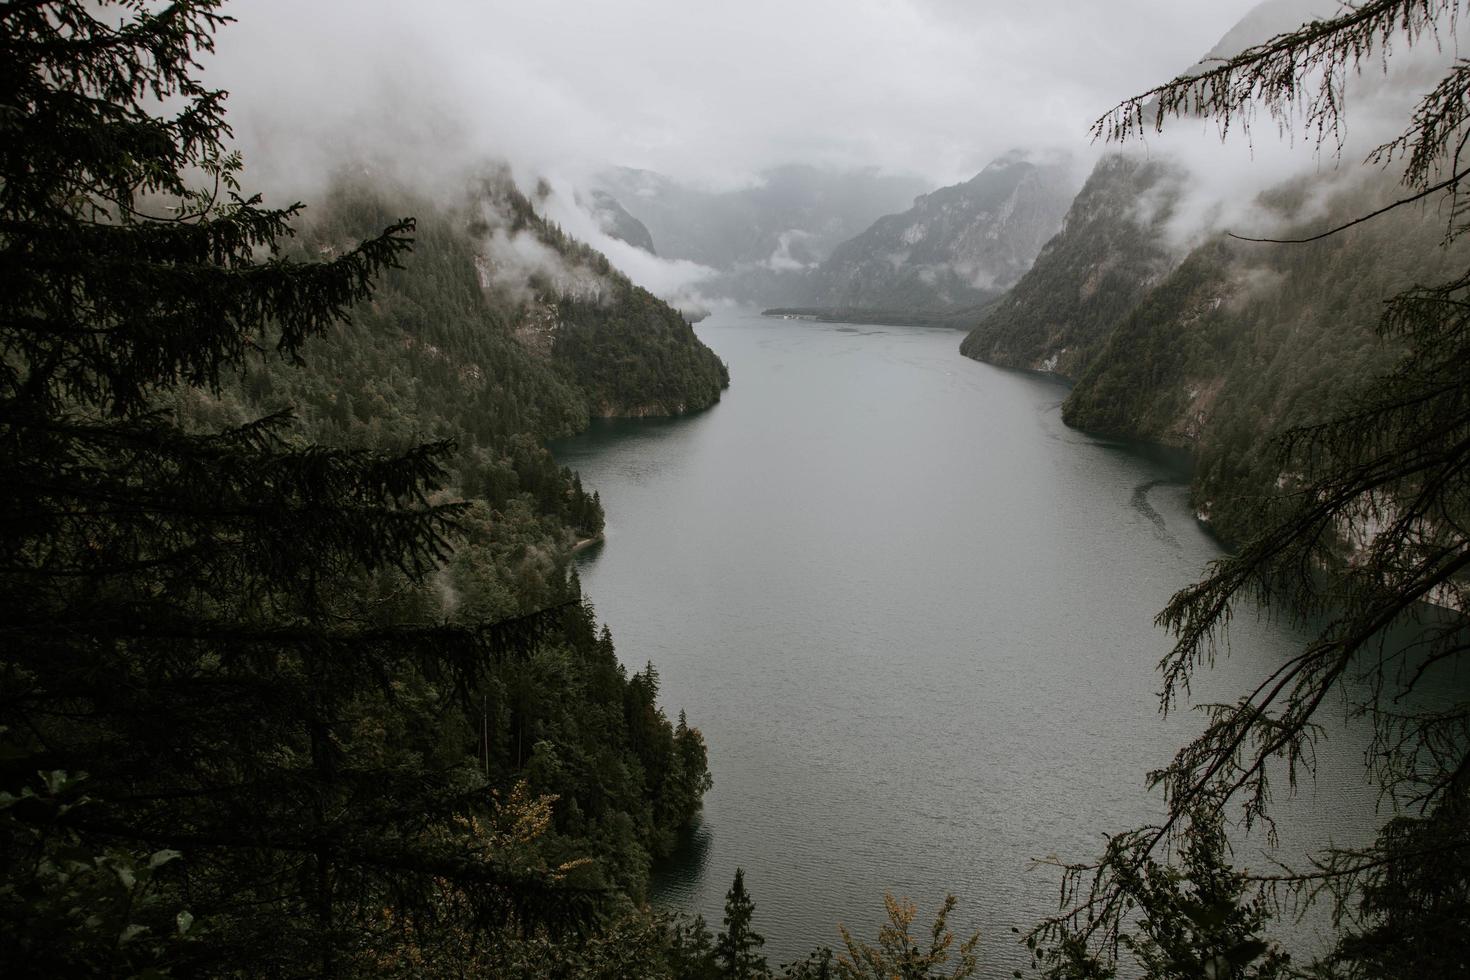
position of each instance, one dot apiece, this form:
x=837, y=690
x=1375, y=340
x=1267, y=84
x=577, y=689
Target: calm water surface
x=912, y=613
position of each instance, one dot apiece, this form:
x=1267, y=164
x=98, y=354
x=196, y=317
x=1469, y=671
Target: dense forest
x=298, y=679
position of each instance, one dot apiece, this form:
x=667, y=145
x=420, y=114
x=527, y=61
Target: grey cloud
x=699, y=91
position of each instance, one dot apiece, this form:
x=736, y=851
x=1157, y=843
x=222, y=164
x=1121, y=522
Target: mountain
x=1108, y=253
x=760, y=239
x=1217, y=345
x=615, y=220
x=499, y=333
x=957, y=247
x=1266, y=20
x=1241, y=341
x=628, y=352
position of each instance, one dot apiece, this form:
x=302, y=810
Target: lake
x=912, y=614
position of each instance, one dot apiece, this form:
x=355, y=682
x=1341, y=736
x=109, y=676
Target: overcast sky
x=705, y=91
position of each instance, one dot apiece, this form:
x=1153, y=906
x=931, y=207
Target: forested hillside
x=1244, y=340
x=1216, y=349
x=297, y=678
x=469, y=343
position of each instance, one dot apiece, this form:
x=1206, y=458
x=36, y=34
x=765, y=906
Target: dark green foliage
x=692, y=949
x=277, y=713
x=636, y=356
x=435, y=355
x=818, y=965
x=75, y=910
x=628, y=352
x=1186, y=920
x=735, y=949
x=1414, y=915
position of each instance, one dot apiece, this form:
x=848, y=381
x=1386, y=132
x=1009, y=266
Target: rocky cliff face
x=1220, y=347
x=1110, y=251
x=957, y=247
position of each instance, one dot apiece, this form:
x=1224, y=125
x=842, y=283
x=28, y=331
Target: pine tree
x=196, y=650
x=735, y=948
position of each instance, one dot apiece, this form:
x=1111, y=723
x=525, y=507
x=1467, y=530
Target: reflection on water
x=912, y=613
x=673, y=876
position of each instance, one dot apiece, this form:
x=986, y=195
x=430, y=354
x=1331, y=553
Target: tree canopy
x=235, y=734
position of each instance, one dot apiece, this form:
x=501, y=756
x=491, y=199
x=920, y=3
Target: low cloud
x=562, y=89
x=1224, y=177
x=708, y=95
x=785, y=258
x=675, y=281
x=515, y=264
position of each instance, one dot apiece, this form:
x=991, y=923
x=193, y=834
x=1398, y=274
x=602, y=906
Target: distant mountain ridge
x=761, y=239
x=956, y=247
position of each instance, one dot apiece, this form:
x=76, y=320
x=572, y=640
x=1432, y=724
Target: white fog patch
x=783, y=259
x=977, y=276
x=1224, y=178
x=520, y=265
x=442, y=582
x=1251, y=284
x=637, y=83
x=676, y=281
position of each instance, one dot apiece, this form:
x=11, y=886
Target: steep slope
x=1112, y=248
x=1217, y=350
x=957, y=247
x=451, y=348
x=1266, y=20
x=1243, y=340
x=1110, y=251
x=499, y=334
x=615, y=220
x=628, y=352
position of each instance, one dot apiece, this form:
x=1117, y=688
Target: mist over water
x=912, y=614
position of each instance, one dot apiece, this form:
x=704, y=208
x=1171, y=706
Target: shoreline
x=584, y=543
